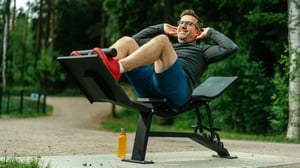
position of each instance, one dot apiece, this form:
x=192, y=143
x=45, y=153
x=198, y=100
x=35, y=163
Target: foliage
x=278, y=117
x=268, y=20
x=251, y=99
x=124, y=118
x=25, y=69
x=18, y=163
x=245, y=105
x=78, y=25
x=48, y=69
x=21, y=49
x=118, y=23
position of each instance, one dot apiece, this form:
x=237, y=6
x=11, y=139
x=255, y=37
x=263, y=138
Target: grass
x=269, y=138
x=128, y=119
x=13, y=162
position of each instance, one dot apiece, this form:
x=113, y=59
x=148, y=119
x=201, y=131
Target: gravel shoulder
x=74, y=129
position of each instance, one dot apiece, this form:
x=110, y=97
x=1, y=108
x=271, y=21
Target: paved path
x=74, y=128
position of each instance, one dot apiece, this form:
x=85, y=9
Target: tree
x=39, y=29
x=293, y=131
x=5, y=41
x=78, y=25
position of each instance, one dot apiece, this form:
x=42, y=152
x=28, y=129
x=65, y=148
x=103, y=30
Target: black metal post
x=21, y=101
x=141, y=139
x=7, y=104
x=1, y=100
x=199, y=121
x=44, y=103
x=38, y=103
x=113, y=110
x=210, y=121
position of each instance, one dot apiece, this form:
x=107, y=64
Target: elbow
x=233, y=49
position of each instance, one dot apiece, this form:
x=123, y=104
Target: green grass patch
x=30, y=108
x=266, y=138
x=128, y=119
x=14, y=162
x=124, y=119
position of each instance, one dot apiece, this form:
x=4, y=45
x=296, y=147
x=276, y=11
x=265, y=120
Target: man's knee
x=162, y=39
x=128, y=40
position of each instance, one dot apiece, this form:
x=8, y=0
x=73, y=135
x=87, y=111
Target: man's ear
x=198, y=32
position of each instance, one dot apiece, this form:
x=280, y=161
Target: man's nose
x=183, y=26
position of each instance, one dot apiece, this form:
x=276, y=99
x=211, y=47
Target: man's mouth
x=183, y=31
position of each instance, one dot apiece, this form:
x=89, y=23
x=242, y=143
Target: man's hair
x=191, y=12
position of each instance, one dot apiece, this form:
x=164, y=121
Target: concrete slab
x=190, y=159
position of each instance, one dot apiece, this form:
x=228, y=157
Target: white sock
x=121, y=67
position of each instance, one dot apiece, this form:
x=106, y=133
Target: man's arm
x=148, y=33
x=225, y=47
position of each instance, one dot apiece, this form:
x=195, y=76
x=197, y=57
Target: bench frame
x=97, y=84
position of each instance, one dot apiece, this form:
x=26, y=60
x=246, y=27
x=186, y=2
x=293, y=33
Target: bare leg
x=125, y=46
x=158, y=51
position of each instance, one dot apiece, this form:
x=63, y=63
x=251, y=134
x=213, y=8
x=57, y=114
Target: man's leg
x=125, y=46
x=158, y=51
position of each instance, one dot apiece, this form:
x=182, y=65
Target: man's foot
x=112, y=64
x=74, y=53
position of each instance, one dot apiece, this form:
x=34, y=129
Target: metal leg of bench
x=214, y=142
x=141, y=139
x=211, y=123
x=198, y=128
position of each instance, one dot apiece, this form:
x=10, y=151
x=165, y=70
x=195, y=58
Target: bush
x=245, y=106
x=278, y=117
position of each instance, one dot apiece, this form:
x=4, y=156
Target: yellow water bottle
x=122, y=144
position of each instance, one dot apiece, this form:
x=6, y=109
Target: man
x=157, y=68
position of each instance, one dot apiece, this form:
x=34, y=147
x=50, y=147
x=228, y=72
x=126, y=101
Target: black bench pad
x=210, y=89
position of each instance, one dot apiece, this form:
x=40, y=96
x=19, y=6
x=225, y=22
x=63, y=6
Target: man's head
x=189, y=27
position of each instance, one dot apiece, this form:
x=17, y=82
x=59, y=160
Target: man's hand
x=203, y=34
x=170, y=30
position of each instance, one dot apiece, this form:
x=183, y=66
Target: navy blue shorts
x=171, y=84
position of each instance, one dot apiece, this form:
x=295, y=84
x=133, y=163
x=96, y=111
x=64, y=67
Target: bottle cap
x=123, y=129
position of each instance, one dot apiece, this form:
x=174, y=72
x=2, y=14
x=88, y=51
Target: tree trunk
x=5, y=42
x=38, y=40
x=13, y=19
x=293, y=131
x=52, y=27
x=4, y=53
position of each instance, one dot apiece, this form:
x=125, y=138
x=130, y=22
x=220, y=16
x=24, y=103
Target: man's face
x=187, y=31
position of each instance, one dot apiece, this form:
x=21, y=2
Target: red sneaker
x=112, y=64
x=74, y=53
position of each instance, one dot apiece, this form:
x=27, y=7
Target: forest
x=34, y=36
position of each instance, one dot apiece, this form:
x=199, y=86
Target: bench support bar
x=210, y=140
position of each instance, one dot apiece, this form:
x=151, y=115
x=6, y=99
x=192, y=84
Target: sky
x=21, y=3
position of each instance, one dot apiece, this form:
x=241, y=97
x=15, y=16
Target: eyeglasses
x=188, y=23
x=198, y=25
